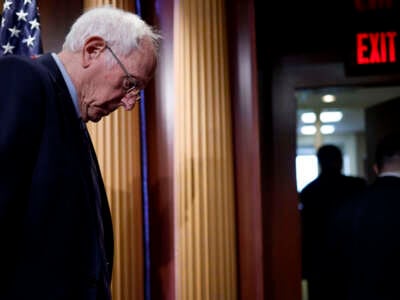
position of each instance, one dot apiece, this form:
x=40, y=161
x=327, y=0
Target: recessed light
x=308, y=129
x=308, y=117
x=327, y=129
x=330, y=116
x=328, y=98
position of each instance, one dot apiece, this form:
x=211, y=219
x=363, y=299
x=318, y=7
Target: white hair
x=122, y=30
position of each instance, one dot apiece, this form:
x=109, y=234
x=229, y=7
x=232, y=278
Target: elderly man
x=55, y=222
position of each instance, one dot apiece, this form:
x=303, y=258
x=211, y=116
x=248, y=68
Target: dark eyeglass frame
x=132, y=81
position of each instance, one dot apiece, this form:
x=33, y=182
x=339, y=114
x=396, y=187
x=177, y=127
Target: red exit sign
x=376, y=47
x=371, y=5
x=373, y=37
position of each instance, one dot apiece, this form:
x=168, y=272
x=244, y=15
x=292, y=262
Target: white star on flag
x=7, y=5
x=14, y=31
x=29, y=40
x=22, y=15
x=34, y=24
x=8, y=48
x=20, y=28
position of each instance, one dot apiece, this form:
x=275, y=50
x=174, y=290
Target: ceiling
x=351, y=100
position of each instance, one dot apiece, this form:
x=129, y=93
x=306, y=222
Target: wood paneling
x=246, y=128
x=56, y=17
x=159, y=118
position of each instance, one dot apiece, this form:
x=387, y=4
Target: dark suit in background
x=48, y=223
x=368, y=231
x=375, y=255
x=320, y=200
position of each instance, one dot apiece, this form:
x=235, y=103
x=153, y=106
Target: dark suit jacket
x=320, y=201
x=372, y=242
x=48, y=225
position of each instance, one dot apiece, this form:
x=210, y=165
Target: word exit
x=376, y=47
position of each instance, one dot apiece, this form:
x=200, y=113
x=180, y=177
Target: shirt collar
x=395, y=174
x=68, y=81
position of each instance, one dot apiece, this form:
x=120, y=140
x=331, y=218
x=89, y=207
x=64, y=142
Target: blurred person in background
x=320, y=200
x=367, y=231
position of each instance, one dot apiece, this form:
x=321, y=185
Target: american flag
x=20, y=28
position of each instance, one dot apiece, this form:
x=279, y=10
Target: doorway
x=335, y=115
x=302, y=74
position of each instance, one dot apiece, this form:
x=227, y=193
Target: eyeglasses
x=130, y=83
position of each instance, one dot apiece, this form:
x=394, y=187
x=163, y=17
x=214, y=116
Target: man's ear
x=91, y=49
x=376, y=170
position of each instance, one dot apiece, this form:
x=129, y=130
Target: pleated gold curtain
x=204, y=188
x=117, y=142
x=125, y=4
